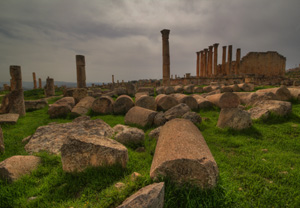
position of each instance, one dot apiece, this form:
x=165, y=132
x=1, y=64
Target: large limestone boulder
x=68, y=92
x=295, y=93
x=140, y=116
x=51, y=137
x=154, y=134
x=202, y=102
x=193, y=117
x=225, y=100
x=277, y=107
x=146, y=101
x=282, y=93
x=234, y=118
x=79, y=93
x=151, y=196
x=177, y=111
x=13, y=103
x=207, y=89
x=187, y=99
x=17, y=166
x=66, y=100
x=258, y=113
x=2, y=147
x=123, y=104
x=35, y=104
x=84, y=105
x=103, y=105
x=198, y=89
x=61, y=108
x=129, y=135
x=182, y=155
x=165, y=102
x=79, y=153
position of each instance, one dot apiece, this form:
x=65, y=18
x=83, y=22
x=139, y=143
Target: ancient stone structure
x=201, y=63
x=216, y=72
x=49, y=89
x=81, y=77
x=34, y=80
x=166, y=56
x=16, y=77
x=237, y=61
x=40, y=83
x=229, y=60
x=224, y=61
x=197, y=64
x=113, y=79
x=205, y=62
x=209, y=59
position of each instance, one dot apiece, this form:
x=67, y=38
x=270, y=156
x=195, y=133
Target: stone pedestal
x=166, y=56
x=81, y=77
x=34, y=80
x=224, y=60
x=49, y=89
x=216, y=72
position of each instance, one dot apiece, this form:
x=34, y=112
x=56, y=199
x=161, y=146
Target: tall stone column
x=113, y=79
x=237, y=62
x=224, y=60
x=201, y=63
x=216, y=72
x=16, y=77
x=50, y=89
x=229, y=60
x=197, y=65
x=166, y=56
x=34, y=80
x=205, y=62
x=80, y=65
x=40, y=83
x=209, y=66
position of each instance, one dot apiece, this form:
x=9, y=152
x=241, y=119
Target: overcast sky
x=122, y=37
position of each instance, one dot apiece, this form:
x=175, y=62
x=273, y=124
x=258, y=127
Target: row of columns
x=207, y=62
x=35, y=83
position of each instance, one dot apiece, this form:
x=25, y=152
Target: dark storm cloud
x=122, y=37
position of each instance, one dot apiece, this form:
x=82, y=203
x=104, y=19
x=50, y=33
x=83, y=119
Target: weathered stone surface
x=9, y=118
x=2, y=147
x=140, y=116
x=14, y=103
x=79, y=93
x=235, y=88
x=255, y=97
x=129, y=135
x=258, y=113
x=66, y=100
x=282, y=93
x=189, y=89
x=198, y=89
x=131, y=90
x=146, y=102
x=277, y=107
x=243, y=96
x=112, y=93
x=165, y=102
x=154, y=134
x=84, y=105
x=169, y=90
x=207, y=89
x=182, y=155
x=103, y=105
x=159, y=119
x=234, y=118
x=177, y=111
x=68, y=92
x=59, y=110
x=50, y=138
x=160, y=90
x=121, y=91
x=247, y=87
x=225, y=100
x=123, y=104
x=35, y=104
x=79, y=153
x=140, y=94
x=49, y=88
x=187, y=99
x=193, y=117
x=202, y=102
x=295, y=93
x=17, y=166
x=178, y=89
x=151, y=196
x=226, y=89
x=150, y=90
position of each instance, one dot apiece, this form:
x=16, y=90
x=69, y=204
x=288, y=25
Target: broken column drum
x=166, y=56
x=16, y=77
x=81, y=77
x=50, y=89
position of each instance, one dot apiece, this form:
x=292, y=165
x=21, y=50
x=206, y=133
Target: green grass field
x=259, y=167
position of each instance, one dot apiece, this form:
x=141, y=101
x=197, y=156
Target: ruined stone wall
x=268, y=64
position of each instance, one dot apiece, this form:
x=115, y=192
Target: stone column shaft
x=205, y=62
x=113, y=79
x=229, y=60
x=224, y=60
x=197, y=64
x=216, y=72
x=201, y=63
x=16, y=77
x=237, y=62
x=166, y=56
x=50, y=89
x=34, y=80
x=209, y=66
x=81, y=77
x=40, y=83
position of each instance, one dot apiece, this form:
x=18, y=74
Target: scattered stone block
x=198, y=89
x=35, y=104
x=140, y=94
x=182, y=155
x=121, y=91
x=178, y=89
x=258, y=113
x=83, y=106
x=202, y=102
x=160, y=90
x=9, y=118
x=282, y=93
x=79, y=153
x=277, y=107
x=146, y=101
x=189, y=89
x=256, y=97
x=159, y=119
x=151, y=196
x=2, y=147
x=13, y=103
x=169, y=90
x=234, y=118
x=165, y=102
x=150, y=90
x=177, y=111
x=247, y=87
x=225, y=100
x=123, y=104
x=187, y=99
x=131, y=90
x=17, y=166
x=295, y=93
x=61, y=108
x=129, y=135
x=140, y=116
x=193, y=117
x=79, y=93
x=103, y=105
x=154, y=134
x=207, y=89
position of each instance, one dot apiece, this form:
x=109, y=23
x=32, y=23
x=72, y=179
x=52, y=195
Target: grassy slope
x=249, y=176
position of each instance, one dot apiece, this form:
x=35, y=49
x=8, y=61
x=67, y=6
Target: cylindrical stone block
x=166, y=56
x=81, y=77
x=237, y=62
x=40, y=83
x=16, y=77
x=209, y=66
x=34, y=80
x=216, y=59
x=197, y=65
x=224, y=60
x=229, y=60
x=182, y=155
x=50, y=89
x=225, y=100
x=205, y=62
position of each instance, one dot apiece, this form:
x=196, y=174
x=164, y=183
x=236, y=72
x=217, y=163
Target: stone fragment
x=295, y=93
x=79, y=93
x=256, y=97
x=123, y=104
x=159, y=119
x=51, y=137
x=198, y=89
x=189, y=89
x=79, y=153
x=258, y=113
x=177, y=111
x=160, y=90
x=83, y=106
x=131, y=90
x=243, y=96
x=169, y=90
x=226, y=89
x=247, y=87
x=151, y=196
x=103, y=105
x=134, y=176
x=150, y=90
x=2, y=147
x=140, y=94
x=187, y=99
x=68, y=92
x=13, y=103
x=66, y=100
x=202, y=102
x=121, y=91
x=61, y=108
x=234, y=118
x=154, y=134
x=146, y=102
x=35, y=104
x=165, y=102
x=207, y=89
x=178, y=89
x=182, y=155
x=120, y=185
x=277, y=107
x=140, y=116
x=193, y=117
x=17, y=166
x=9, y=118
x=49, y=88
x=225, y=100
x=129, y=135
x=282, y=93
